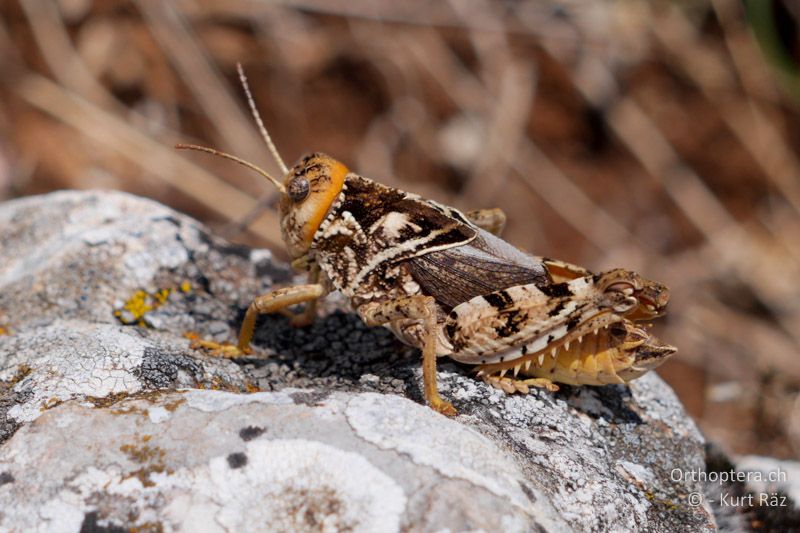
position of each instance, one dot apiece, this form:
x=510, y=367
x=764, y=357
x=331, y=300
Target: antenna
x=247, y=164
x=259, y=122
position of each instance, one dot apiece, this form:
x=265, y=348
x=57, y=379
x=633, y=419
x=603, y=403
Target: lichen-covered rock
x=109, y=419
x=217, y=461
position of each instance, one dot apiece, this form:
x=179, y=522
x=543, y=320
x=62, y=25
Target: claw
x=217, y=349
x=446, y=408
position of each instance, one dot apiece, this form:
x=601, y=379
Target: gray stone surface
x=109, y=420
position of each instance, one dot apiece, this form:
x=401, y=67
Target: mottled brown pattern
x=372, y=228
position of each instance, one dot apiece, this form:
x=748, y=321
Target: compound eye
x=298, y=189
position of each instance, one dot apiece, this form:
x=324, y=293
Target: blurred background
x=659, y=136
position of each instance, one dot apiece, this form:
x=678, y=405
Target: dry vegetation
x=619, y=133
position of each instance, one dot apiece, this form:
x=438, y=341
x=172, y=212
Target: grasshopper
x=445, y=282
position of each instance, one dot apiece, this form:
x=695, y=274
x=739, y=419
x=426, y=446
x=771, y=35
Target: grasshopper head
x=307, y=193
x=309, y=190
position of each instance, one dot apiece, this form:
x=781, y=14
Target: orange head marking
x=311, y=186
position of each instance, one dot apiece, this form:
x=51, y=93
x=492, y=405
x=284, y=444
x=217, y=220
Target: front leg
x=421, y=308
x=492, y=220
x=275, y=301
x=308, y=315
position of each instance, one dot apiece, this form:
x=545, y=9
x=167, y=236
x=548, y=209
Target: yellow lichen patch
x=50, y=403
x=668, y=504
x=172, y=406
x=147, y=527
x=152, y=457
x=4, y=330
x=128, y=408
x=217, y=383
x=134, y=309
x=161, y=295
x=22, y=372
x=107, y=401
x=249, y=386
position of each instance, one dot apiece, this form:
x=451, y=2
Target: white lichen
x=69, y=360
x=454, y=450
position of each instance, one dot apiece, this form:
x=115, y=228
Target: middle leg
x=422, y=308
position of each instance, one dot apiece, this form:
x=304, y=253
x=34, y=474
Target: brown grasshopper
x=443, y=281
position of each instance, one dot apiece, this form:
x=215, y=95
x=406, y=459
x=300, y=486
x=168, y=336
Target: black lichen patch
x=90, y=525
x=339, y=345
x=6, y=478
x=335, y=353
x=8, y=399
x=160, y=369
x=251, y=432
x=237, y=460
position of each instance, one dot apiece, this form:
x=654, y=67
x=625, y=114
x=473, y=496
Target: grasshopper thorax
x=311, y=187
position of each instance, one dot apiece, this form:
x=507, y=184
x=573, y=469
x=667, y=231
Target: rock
x=752, y=494
x=109, y=420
